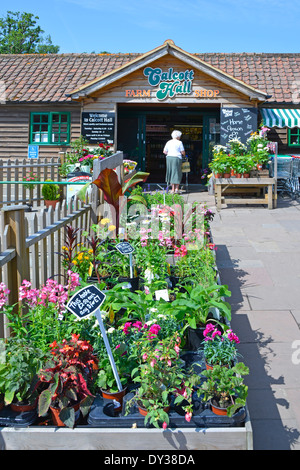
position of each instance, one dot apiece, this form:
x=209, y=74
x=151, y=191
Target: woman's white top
x=173, y=148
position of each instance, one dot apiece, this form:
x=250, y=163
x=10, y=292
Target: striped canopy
x=281, y=117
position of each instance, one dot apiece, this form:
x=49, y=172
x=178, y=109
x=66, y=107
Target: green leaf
x=67, y=415
x=44, y=403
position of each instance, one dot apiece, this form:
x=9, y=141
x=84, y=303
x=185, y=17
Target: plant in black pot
x=50, y=192
x=198, y=304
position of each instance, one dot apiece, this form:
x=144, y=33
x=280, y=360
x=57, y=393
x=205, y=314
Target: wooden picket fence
x=31, y=242
x=16, y=170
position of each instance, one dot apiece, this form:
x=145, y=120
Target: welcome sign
x=170, y=83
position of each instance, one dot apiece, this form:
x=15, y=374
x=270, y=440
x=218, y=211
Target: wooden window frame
x=289, y=137
x=50, y=131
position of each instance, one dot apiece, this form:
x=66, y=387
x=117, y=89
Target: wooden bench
x=242, y=185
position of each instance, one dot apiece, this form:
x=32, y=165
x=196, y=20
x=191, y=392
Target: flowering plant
x=129, y=165
x=225, y=387
x=219, y=348
x=47, y=318
x=68, y=376
x=30, y=180
x=159, y=375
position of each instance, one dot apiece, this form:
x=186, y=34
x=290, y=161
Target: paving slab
x=259, y=260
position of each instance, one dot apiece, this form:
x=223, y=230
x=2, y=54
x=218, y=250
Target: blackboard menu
x=98, y=128
x=237, y=123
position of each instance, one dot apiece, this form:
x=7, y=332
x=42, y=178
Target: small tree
x=20, y=35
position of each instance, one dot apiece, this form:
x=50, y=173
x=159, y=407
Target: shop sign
x=237, y=123
x=169, y=83
x=98, y=128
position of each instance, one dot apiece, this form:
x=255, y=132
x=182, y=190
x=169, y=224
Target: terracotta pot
x=55, y=415
x=238, y=175
x=218, y=175
x=226, y=175
x=22, y=407
x=218, y=411
x=232, y=173
x=144, y=412
x=209, y=366
x=117, y=396
x=246, y=175
x=50, y=203
x=259, y=166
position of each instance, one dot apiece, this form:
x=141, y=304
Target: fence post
x=18, y=267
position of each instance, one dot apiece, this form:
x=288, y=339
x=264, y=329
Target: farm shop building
x=135, y=101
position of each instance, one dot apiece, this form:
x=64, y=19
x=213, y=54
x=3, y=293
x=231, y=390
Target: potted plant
x=219, y=347
x=19, y=374
x=50, y=192
x=224, y=388
x=68, y=376
x=196, y=305
x=106, y=381
x=160, y=375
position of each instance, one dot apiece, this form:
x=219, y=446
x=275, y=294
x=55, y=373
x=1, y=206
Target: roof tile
x=36, y=77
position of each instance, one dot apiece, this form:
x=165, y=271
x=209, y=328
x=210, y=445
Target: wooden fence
x=30, y=242
x=31, y=247
x=16, y=170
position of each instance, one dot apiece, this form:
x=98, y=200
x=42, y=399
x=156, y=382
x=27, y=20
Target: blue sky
x=140, y=25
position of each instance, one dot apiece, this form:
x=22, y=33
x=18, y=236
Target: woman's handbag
x=185, y=167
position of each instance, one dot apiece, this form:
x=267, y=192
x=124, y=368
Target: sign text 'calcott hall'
x=170, y=84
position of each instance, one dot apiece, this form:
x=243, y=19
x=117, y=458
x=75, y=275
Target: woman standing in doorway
x=174, y=152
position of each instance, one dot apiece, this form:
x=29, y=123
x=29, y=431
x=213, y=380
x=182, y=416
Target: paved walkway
x=258, y=256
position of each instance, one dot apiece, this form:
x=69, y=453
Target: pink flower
x=233, y=337
x=188, y=416
x=164, y=425
x=145, y=357
x=152, y=362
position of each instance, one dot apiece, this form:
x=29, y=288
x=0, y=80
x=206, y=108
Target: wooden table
x=222, y=184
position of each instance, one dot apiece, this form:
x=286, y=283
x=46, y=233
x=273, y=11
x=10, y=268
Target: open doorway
x=143, y=132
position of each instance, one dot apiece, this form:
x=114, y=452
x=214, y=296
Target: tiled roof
x=49, y=77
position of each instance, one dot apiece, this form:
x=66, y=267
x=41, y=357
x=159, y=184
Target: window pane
x=36, y=118
x=64, y=118
x=64, y=128
x=55, y=127
x=44, y=128
x=55, y=138
x=36, y=128
x=44, y=118
x=55, y=118
x=64, y=137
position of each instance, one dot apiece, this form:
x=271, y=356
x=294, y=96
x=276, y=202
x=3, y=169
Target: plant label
x=125, y=248
x=162, y=294
x=86, y=301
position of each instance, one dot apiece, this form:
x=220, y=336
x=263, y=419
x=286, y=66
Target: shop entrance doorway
x=143, y=132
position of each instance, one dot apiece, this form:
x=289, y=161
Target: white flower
x=111, y=329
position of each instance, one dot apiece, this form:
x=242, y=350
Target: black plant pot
x=194, y=338
x=134, y=281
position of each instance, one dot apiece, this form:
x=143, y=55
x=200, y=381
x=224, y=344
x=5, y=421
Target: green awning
x=280, y=117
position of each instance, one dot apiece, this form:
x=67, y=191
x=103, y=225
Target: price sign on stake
x=85, y=302
x=126, y=249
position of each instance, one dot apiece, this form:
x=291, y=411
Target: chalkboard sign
x=98, y=127
x=125, y=248
x=237, y=123
x=86, y=301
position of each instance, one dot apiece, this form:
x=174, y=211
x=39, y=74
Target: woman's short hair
x=176, y=134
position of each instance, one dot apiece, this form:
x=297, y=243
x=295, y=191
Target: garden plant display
x=238, y=159
x=148, y=337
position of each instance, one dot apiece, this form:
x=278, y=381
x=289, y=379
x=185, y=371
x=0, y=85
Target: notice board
x=237, y=123
x=98, y=128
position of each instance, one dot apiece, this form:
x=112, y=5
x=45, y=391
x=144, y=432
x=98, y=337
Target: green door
x=211, y=136
x=132, y=138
